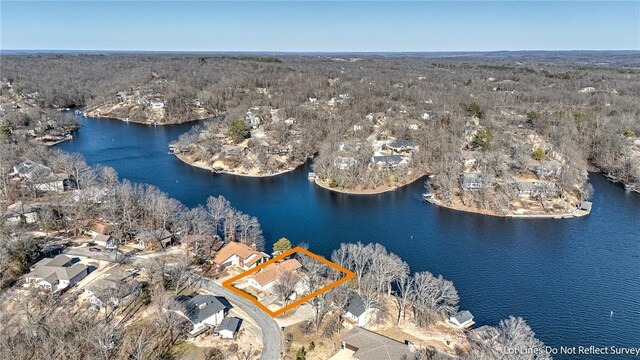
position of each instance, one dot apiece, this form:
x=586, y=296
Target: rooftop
x=373, y=346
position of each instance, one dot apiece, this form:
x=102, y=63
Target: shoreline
x=100, y=117
x=366, y=192
x=576, y=214
x=226, y=172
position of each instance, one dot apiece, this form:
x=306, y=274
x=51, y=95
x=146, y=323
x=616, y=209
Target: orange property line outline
x=349, y=275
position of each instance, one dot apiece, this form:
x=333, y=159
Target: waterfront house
x=229, y=327
x=471, y=181
x=57, y=274
x=585, y=206
x=121, y=96
x=356, y=310
x=234, y=150
x=368, y=345
x=235, y=253
x=344, y=162
x=537, y=189
x=389, y=162
x=203, y=311
x=462, y=319
x=266, y=277
x=157, y=104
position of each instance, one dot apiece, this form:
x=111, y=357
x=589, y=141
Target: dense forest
x=500, y=119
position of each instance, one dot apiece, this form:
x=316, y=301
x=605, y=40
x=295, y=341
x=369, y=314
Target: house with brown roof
x=368, y=345
x=235, y=253
x=57, y=274
x=267, y=276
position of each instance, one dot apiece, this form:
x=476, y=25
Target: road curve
x=271, y=339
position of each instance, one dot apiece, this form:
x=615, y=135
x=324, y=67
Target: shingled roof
x=373, y=346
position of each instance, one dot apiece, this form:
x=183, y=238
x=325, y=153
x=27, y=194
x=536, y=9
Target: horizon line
x=315, y=51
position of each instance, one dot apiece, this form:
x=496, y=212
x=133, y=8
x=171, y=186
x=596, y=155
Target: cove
x=565, y=277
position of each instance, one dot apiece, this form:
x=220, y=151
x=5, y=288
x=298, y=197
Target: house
x=357, y=128
x=157, y=104
x=548, y=168
x=267, y=276
x=203, y=311
x=99, y=227
x=31, y=170
x=344, y=162
x=536, y=189
x=368, y=345
x=389, y=162
x=402, y=146
x=234, y=150
x=229, y=327
x=121, y=96
x=20, y=212
x=356, y=310
x=154, y=239
x=57, y=274
x=312, y=99
x=290, y=121
x=55, y=182
x=462, y=319
x=107, y=241
x=349, y=146
x=114, y=289
x=471, y=181
x=254, y=120
x=413, y=124
x=235, y=253
x=585, y=206
x=428, y=115
x=196, y=102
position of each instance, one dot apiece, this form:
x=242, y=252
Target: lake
x=565, y=277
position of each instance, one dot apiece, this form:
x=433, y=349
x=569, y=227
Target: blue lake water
x=565, y=277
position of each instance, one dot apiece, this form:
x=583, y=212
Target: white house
x=235, y=253
x=344, y=162
x=389, y=162
x=229, y=327
x=356, y=310
x=19, y=212
x=57, y=274
x=462, y=319
x=203, y=311
x=157, y=104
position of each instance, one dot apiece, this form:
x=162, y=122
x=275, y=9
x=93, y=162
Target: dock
x=312, y=176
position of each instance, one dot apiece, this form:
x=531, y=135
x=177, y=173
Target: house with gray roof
x=57, y=274
x=114, y=289
x=462, y=319
x=402, y=146
x=20, y=212
x=229, y=327
x=389, y=162
x=203, y=311
x=31, y=170
x=368, y=345
x=356, y=310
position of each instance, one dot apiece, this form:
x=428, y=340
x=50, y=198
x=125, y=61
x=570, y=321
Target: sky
x=329, y=26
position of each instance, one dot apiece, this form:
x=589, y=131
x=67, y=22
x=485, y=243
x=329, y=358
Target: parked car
x=94, y=249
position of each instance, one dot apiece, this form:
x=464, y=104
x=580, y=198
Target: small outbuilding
x=462, y=319
x=229, y=327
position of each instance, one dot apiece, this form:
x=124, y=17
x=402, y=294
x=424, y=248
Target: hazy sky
x=320, y=26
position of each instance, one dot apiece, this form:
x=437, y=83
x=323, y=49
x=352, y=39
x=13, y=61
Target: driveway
x=271, y=334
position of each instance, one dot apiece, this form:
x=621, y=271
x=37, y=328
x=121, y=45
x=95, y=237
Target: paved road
x=271, y=339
